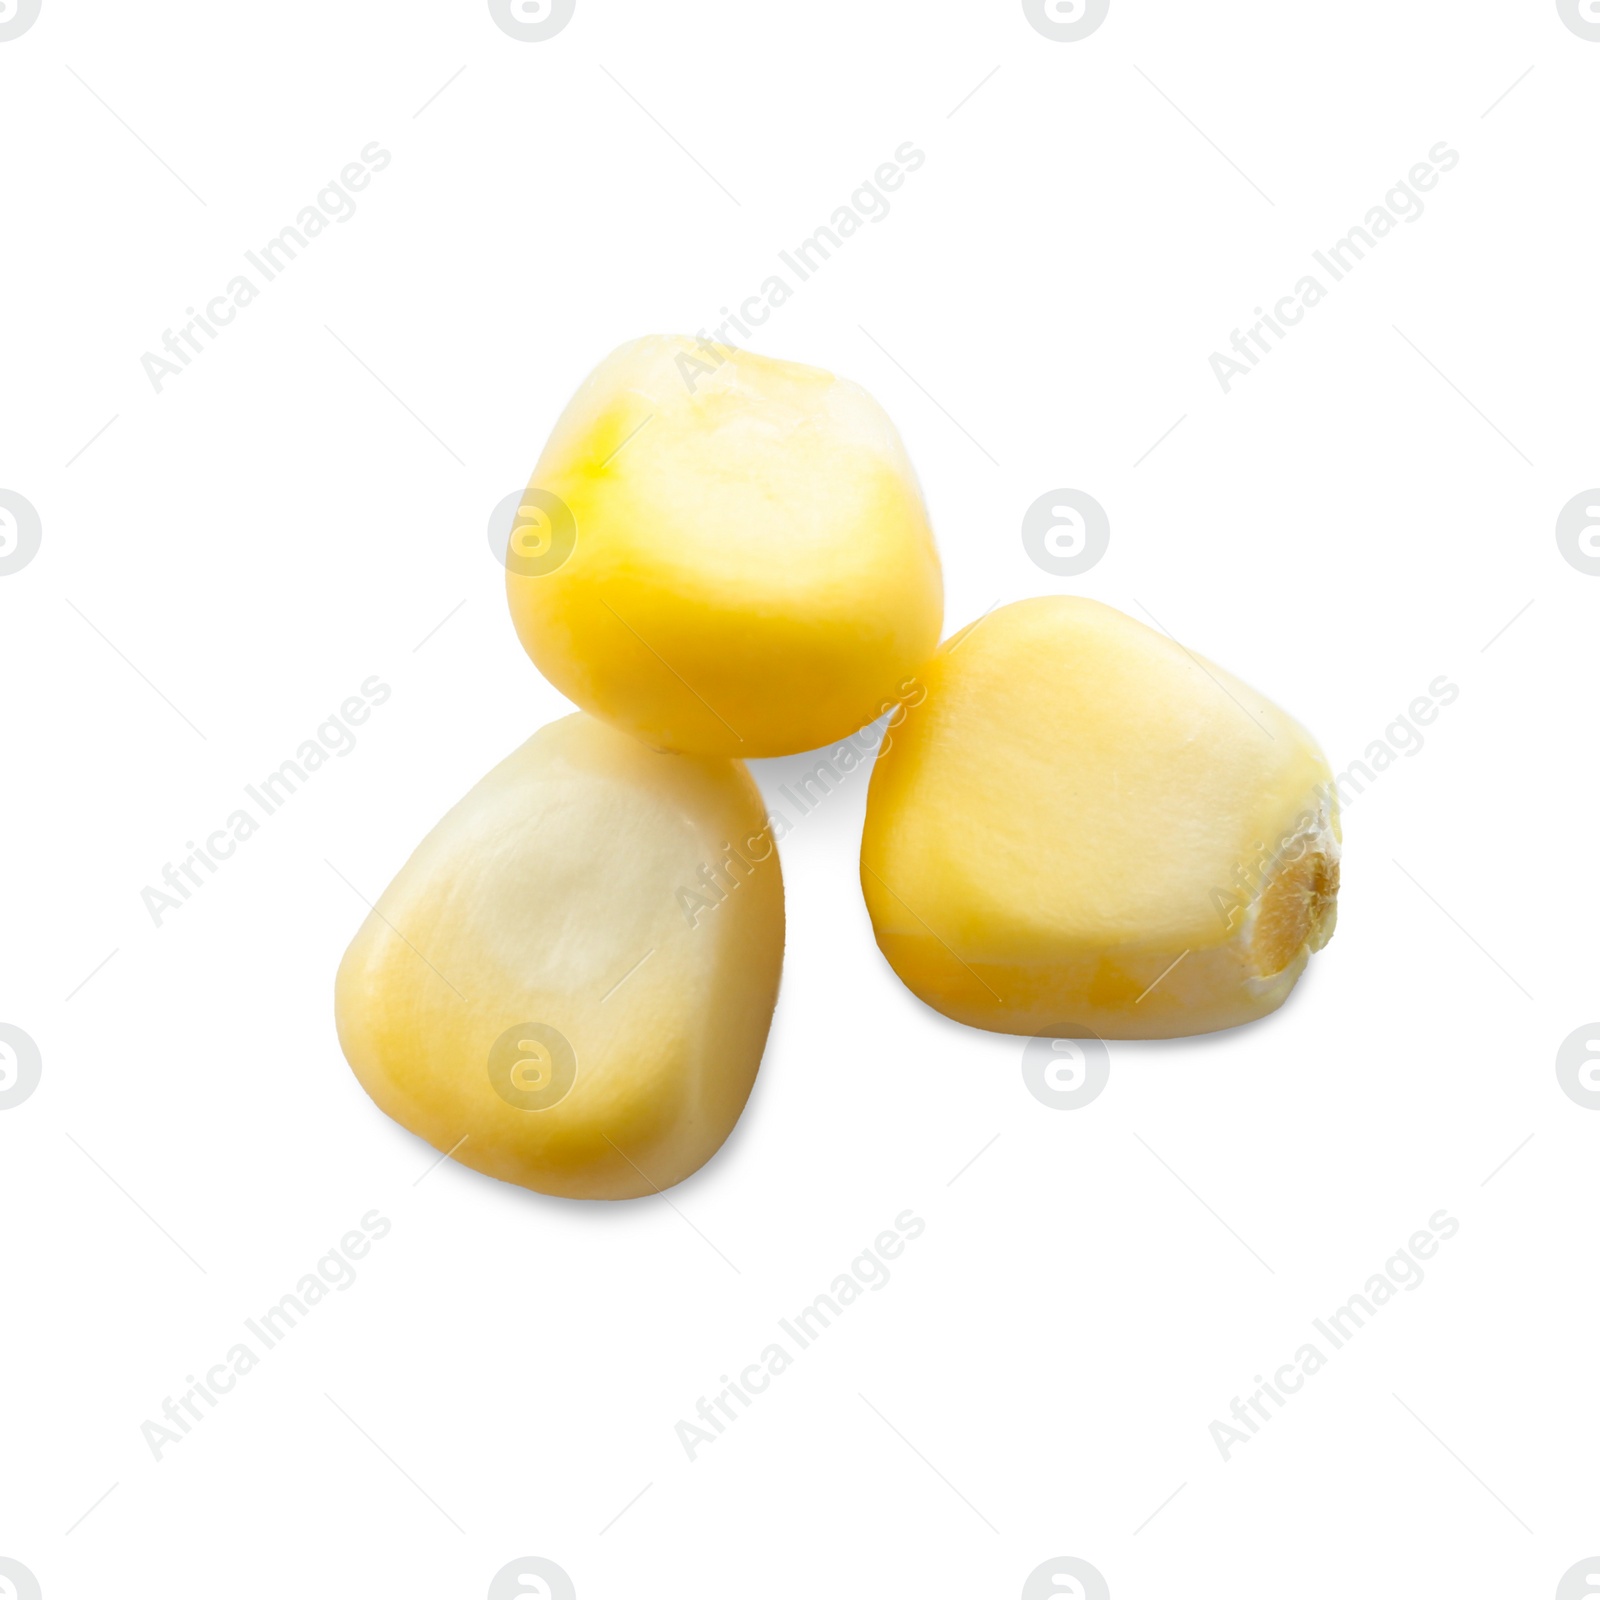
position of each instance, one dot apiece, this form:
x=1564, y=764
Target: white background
x=230, y=558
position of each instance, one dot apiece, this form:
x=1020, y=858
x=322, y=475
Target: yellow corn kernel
x=569, y=984
x=1084, y=829
x=724, y=554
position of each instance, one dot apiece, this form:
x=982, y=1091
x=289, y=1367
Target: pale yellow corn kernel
x=1084, y=829
x=569, y=984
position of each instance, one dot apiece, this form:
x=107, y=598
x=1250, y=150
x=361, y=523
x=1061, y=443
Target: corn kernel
x=1083, y=829
x=530, y=993
x=729, y=554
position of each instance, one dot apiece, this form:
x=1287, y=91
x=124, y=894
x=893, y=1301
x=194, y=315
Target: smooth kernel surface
x=1066, y=836
x=751, y=570
x=530, y=980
